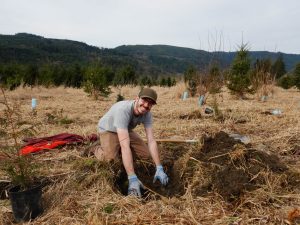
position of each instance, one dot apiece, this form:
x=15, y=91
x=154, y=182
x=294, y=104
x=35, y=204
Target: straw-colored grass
x=79, y=195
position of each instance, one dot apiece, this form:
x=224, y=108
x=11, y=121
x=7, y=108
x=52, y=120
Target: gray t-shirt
x=120, y=115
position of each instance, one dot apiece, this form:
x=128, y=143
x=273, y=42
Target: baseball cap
x=148, y=93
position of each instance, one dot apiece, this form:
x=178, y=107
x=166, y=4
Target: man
x=117, y=137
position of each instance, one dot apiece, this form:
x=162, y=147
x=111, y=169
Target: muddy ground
x=221, y=165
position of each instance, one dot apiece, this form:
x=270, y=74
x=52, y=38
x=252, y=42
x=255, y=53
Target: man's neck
x=135, y=111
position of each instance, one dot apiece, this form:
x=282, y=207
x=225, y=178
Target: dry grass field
x=218, y=180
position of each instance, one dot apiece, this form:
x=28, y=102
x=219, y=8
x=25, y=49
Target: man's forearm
x=154, y=152
x=127, y=160
x=125, y=150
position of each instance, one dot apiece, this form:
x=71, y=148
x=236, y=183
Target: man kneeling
x=117, y=136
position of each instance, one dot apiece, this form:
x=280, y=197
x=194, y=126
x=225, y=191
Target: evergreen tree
x=64, y=76
x=169, y=82
x=11, y=75
x=174, y=81
x=57, y=75
x=162, y=82
x=190, y=78
x=118, y=80
x=238, y=79
x=278, y=68
x=75, y=76
x=31, y=76
x=146, y=81
x=296, y=74
x=96, y=81
x=126, y=76
x=45, y=78
x=287, y=81
x=129, y=75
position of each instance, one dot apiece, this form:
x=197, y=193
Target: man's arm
x=152, y=145
x=160, y=173
x=123, y=136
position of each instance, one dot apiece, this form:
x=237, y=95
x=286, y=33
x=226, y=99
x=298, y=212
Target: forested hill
x=177, y=58
x=26, y=48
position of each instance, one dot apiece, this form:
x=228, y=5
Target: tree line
x=95, y=78
x=243, y=76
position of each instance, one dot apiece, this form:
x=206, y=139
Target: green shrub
x=286, y=81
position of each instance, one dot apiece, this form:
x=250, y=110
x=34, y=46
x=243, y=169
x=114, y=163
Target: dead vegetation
x=217, y=181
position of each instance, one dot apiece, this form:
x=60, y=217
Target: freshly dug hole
x=145, y=171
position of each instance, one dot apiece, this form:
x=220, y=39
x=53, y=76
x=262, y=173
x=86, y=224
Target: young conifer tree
x=238, y=80
x=296, y=74
x=278, y=68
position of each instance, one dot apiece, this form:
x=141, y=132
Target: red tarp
x=37, y=144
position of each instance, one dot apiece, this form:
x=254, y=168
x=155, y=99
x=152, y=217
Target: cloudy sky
x=272, y=25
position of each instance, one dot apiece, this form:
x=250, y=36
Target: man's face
x=144, y=105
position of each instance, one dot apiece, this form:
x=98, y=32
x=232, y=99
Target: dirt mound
x=221, y=165
x=233, y=167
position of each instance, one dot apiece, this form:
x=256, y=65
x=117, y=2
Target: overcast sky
x=272, y=25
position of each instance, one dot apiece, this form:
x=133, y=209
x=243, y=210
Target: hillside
x=178, y=58
x=27, y=48
x=147, y=59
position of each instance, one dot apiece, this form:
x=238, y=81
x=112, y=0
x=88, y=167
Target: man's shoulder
x=122, y=107
x=124, y=104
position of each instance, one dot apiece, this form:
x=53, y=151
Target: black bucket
x=26, y=205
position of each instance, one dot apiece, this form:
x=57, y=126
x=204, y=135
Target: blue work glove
x=135, y=185
x=161, y=175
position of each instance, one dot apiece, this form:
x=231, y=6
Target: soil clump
x=230, y=167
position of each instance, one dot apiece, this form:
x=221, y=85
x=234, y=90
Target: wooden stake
x=175, y=141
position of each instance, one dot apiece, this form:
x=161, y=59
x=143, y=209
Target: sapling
x=20, y=169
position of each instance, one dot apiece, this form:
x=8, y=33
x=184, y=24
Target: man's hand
x=161, y=175
x=135, y=185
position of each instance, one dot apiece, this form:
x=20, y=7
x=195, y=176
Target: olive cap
x=148, y=93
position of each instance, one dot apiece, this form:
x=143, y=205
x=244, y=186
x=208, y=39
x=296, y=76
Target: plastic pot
x=27, y=204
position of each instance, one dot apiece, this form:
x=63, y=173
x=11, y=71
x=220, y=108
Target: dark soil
x=221, y=165
x=145, y=171
x=233, y=166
